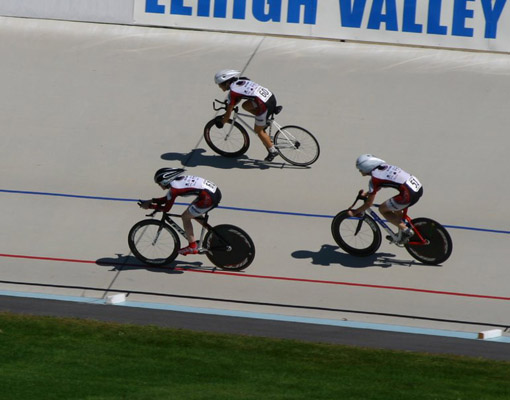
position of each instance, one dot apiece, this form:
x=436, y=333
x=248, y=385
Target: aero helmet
x=367, y=162
x=225, y=75
x=164, y=176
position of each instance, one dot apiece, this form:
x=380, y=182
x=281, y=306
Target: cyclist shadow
x=196, y=157
x=328, y=255
x=128, y=263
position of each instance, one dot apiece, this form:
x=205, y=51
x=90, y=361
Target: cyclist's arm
x=160, y=204
x=367, y=204
x=226, y=116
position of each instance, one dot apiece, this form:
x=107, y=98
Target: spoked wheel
x=153, y=242
x=438, y=247
x=296, y=145
x=357, y=236
x=230, y=141
x=229, y=247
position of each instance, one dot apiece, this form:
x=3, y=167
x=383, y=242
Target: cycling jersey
x=207, y=193
x=409, y=187
x=244, y=89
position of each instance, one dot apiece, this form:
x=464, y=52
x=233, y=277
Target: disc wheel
x=439, y=244
x=357, y=236
x=229, y=247
x=230, y=141
x=153, y=242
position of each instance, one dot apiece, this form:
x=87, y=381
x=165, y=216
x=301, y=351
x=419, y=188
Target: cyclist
x=259, y=102
x=386, y=175
x=207, y=194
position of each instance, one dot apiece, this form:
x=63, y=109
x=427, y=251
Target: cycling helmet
x=164, y=176
x=225, y=75
x=367, y=162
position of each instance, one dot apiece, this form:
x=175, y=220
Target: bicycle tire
x=229, y=247
x=153, y=242
x=439, y=247
x=230, y=141
x=359, y=237
x=296, y=145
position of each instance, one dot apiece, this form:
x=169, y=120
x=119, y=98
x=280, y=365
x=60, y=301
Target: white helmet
x=225, y=75
x=164, y=176
x=367, y=162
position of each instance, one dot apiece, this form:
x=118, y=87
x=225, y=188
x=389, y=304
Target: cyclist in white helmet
x=207, y=194
x=259, y=102
x=385, y=175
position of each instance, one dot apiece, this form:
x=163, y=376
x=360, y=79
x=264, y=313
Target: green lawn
x=53, y=358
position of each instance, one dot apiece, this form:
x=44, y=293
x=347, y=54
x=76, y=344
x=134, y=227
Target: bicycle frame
x=394, y=235
x=238, y=116
x=167, y=218
x=202, y=220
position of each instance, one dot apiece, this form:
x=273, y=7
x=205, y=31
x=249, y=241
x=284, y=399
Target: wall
x=464, y=24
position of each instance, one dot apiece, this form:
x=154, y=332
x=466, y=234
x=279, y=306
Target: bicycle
x=156, y=242
x=361, y=236
x=294, y=144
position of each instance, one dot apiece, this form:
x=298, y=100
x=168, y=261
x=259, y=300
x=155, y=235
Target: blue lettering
x=152, y=6
x=492, y=17
x=409, y=22
x=460, y=14
x=220, y=8
x=433, y=22
x=273, y=12
x=310, y=11
x=203, y=8
x=351, y=14
x=178, y=7
x=239, y=9
x=377, y=17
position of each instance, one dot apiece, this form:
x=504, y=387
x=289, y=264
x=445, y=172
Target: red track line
x=280, y=278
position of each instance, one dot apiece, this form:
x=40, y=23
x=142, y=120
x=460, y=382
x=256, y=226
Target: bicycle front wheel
x=230, y=141
x=296, y=145
x=229, y=247
x=153, y=242
x=357, y=236
x=438, y=247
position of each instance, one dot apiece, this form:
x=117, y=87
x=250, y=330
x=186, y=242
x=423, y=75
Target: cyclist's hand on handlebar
x=145, y=204
x=355, y=213
x=219, y=121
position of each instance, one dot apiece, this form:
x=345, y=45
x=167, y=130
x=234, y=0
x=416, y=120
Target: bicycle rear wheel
x=229, y=247
x=357, y=236
x=296, y=145
x=439, y=245
x=153, y=242
x=230, y=141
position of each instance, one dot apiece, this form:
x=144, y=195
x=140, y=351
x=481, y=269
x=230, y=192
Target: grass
x=55, y=358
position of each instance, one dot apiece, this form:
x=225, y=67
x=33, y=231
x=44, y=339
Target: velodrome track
x=88, y=112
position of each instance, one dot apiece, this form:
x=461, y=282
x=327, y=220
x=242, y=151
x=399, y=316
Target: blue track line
x=228, y=208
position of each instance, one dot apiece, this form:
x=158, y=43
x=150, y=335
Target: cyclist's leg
x=261, y=120
x=202, y=204
x=393, y=211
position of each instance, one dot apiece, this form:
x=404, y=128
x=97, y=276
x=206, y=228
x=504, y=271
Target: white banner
x=466, y=24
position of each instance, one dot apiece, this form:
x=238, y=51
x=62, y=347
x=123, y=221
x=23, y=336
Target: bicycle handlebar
x=358, y=197
x=223, y=106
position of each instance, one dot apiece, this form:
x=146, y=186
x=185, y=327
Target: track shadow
x=127, y=263
x=197, y=158
x=328, y=255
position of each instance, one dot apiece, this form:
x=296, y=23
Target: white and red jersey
x=189, y=185
x=394, y=177
x=244, y=89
